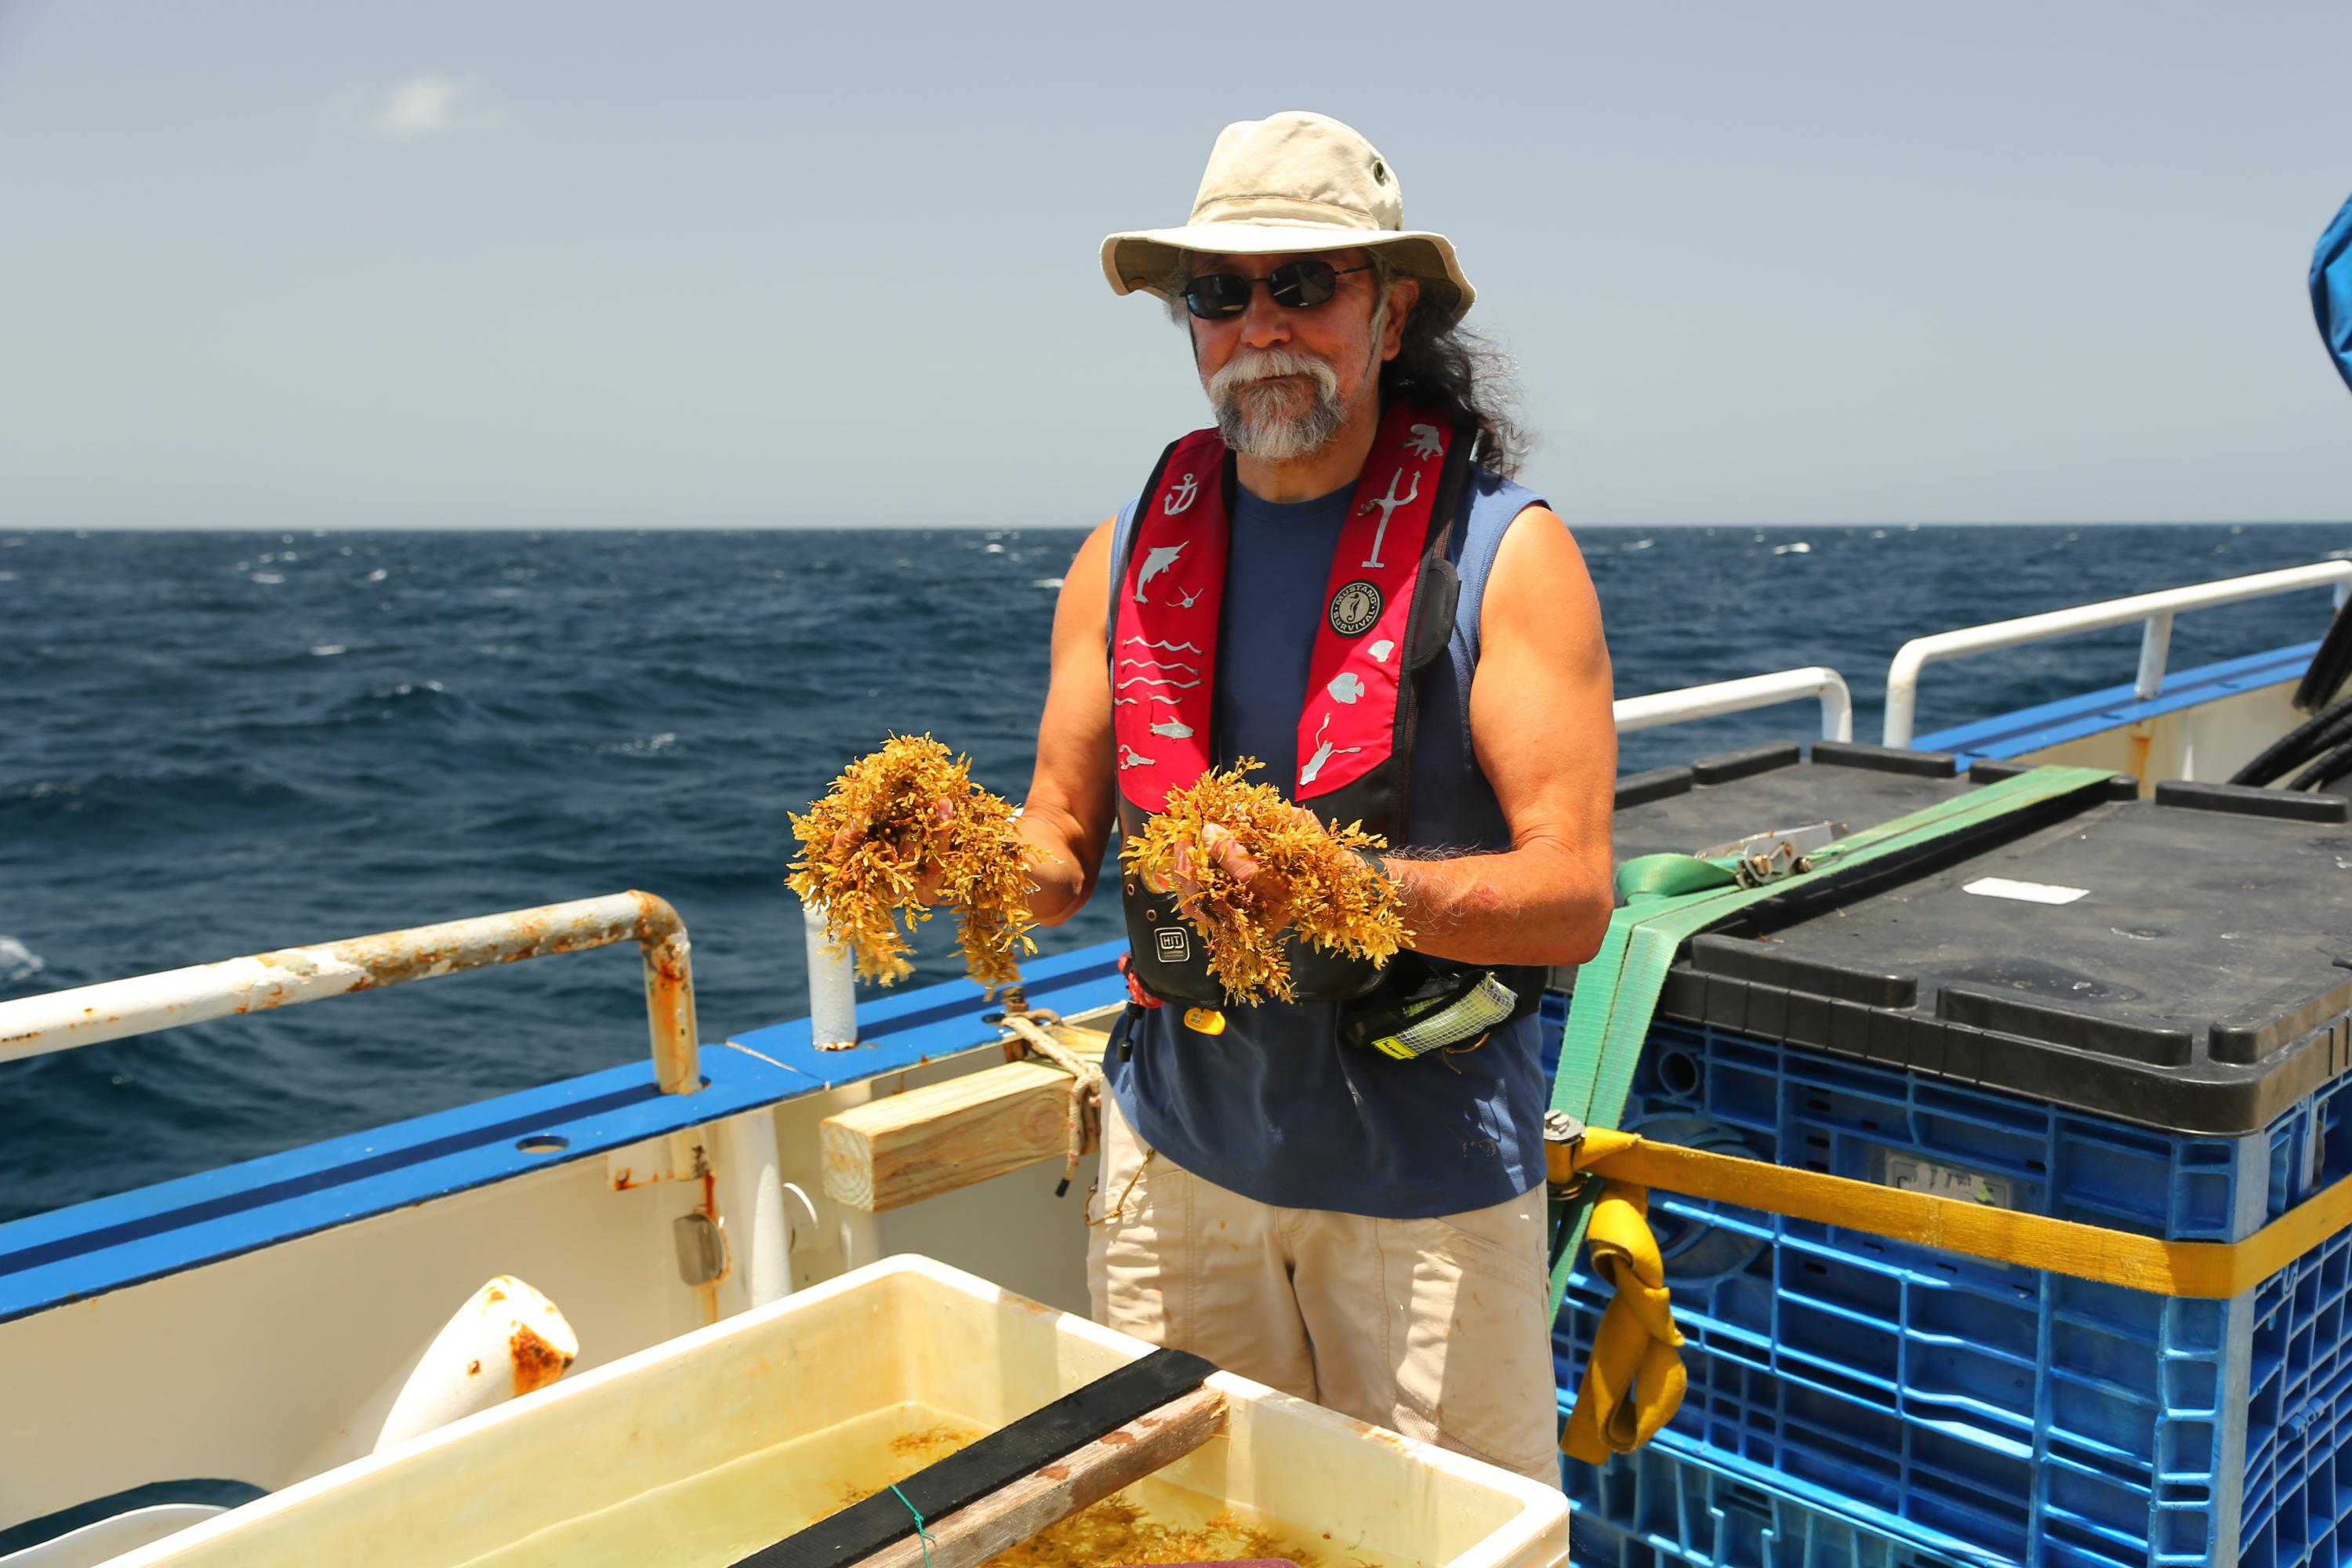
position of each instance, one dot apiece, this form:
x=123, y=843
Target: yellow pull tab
x=1204, y=1020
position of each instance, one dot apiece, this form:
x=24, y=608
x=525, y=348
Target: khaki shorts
x=1433, y=1328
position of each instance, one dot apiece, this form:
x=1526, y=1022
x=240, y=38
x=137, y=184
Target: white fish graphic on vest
x=1380, y=651
x=1161, y=558
x=1346, y=686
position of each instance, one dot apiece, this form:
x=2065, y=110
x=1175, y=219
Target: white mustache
x=1249, y=365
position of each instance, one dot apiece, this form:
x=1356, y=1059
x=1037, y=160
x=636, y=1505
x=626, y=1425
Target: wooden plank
x=899, y=1149
x=1044, y=1439
x=1053, y=1492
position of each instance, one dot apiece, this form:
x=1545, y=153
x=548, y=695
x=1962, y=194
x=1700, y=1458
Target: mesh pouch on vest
x=1418, y=1008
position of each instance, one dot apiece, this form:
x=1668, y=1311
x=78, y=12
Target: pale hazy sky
x=539, y=265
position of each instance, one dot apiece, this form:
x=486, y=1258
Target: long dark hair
x=1462, y=374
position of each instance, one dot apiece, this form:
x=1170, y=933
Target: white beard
x=1276, y=421
x=1280, y=422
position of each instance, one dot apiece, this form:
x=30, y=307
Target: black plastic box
x=2184, y=962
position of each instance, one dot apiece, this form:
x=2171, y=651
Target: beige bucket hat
x=1293, y=182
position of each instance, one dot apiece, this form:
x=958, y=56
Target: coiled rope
x=1082, y=1122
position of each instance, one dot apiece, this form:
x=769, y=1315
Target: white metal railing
x=1663, y=708
x=2156, y=610
x=61, y=1020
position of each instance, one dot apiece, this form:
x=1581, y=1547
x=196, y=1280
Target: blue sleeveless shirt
x=1278, y=1108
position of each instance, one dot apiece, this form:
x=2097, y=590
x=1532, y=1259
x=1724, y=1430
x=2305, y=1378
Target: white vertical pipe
x=1837, y=709
x=832, y=989
x=751, y=1209
x=2154, y=648
x=1902, y=695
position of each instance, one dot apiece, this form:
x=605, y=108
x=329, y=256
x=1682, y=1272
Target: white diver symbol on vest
x=1423, y=443
x=1324, y=752
x=1387, y=505
x=1158, y=559
x=1180, y=498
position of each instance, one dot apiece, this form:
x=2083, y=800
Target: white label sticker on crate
x=2027, y=892
x=1910, y=1174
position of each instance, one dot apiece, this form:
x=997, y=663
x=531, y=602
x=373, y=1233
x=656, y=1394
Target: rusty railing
x=61, y=1020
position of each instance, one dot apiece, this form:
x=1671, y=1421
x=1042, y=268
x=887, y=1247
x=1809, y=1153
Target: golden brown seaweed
x=884, y=809
x=1337, y=900
x=1119, y=1529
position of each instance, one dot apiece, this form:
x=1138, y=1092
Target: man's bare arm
x=1540, y=727
x=1066, y=821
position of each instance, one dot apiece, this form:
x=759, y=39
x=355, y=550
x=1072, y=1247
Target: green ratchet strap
x=1673, y=898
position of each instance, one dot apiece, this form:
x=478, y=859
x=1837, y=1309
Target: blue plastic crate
x=2027, y=1417
x=1655, y=1509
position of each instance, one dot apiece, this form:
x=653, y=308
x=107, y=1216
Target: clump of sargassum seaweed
x=865, y=843
x=1118, y=1529
x=1337, y=900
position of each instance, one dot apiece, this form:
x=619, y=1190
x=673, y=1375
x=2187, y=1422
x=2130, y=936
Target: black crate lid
x=1767, y=788
x=2180, y=962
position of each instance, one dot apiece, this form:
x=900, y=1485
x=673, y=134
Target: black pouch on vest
x=1419, y=1007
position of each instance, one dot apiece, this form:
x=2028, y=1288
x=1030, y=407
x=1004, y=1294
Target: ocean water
x=216, y=743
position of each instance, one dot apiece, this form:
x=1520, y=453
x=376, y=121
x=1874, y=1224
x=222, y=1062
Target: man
x=1362, y=1225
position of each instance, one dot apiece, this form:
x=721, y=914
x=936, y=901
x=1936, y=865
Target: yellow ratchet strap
x=2213, y=1270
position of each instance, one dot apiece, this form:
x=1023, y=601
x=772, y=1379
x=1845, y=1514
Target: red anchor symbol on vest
x=1387, y=505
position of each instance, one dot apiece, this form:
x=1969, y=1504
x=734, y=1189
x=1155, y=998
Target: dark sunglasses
x=1294, y=285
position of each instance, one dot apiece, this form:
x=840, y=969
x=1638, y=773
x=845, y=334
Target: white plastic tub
x=704, y=1448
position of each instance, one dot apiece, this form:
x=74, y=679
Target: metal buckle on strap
x=1563, y=1139
x=1769, y=857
